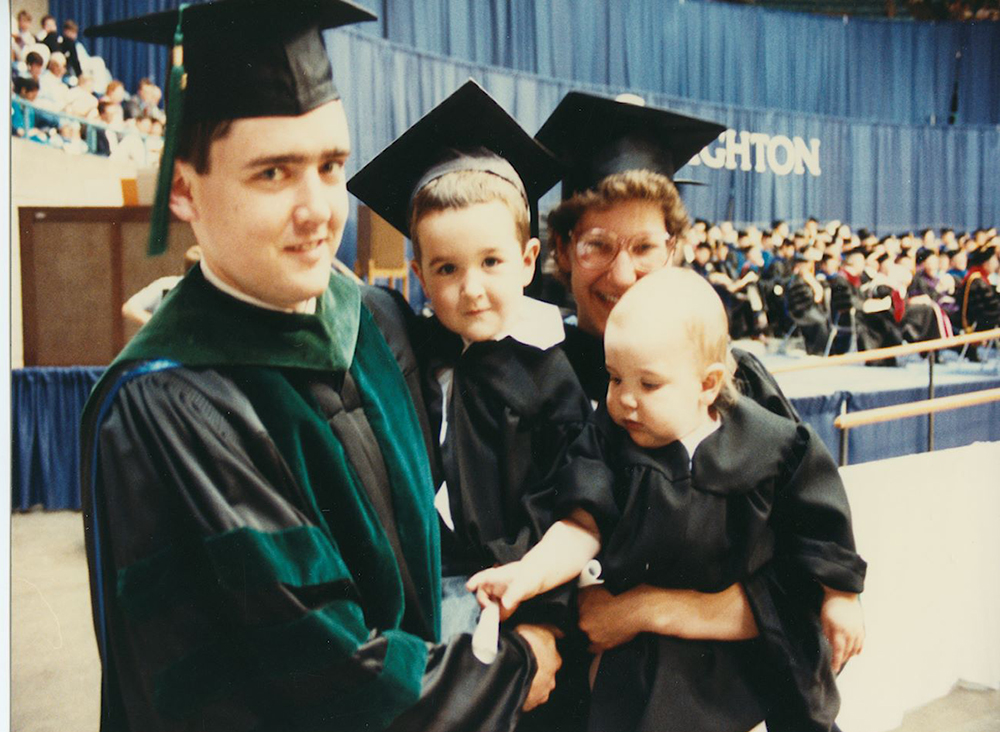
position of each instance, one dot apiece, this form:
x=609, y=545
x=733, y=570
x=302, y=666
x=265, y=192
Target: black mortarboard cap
x=467, y=131
x=248, y=58
x=595, y=137
x=922, y=255
x=981, y=256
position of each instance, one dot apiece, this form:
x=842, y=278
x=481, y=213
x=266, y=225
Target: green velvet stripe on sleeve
x=263, y=659
x=237, y=560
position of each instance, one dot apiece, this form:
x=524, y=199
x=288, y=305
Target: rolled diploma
x=486, y=638
x=591, y=575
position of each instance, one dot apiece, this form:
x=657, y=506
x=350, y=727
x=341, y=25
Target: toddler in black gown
x=690, y=487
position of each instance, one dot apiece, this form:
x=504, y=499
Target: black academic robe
x=261, y=538
x=513, y=411
x=759, y=488
x=774, y=592
x=809, y=315
x=981, y=303
x=874, y=330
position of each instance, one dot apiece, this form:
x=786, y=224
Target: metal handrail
x=845, y=422
x=878, y=354
x=91, y=126
x=846, y=359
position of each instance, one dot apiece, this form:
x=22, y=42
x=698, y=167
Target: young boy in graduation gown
x=260, y=530
x=690, y=486
x=502, y=398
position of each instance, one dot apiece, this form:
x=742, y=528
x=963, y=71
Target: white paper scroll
x=486, y=639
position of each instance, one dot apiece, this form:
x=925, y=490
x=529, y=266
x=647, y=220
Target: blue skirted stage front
x=821, y=394
x=46, y=405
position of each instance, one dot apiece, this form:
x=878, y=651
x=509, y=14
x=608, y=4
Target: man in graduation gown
x=261, y=537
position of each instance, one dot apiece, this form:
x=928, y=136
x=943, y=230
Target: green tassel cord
x=160, y=220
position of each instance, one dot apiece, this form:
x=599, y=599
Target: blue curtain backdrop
x=888, y=177
x=873, y=70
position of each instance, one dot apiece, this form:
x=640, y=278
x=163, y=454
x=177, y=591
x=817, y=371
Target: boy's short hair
x=632, y=185
x=70, y=25
x=464, y=188
x=34, y=59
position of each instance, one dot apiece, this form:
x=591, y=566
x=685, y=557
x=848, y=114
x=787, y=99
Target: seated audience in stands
x=145, y=102
x=69, y=138
x=81, y=100
x=49, y=35
x=21, y=37
x=53, y=89
x=71, y=48
x=34, y=65
x=22, y=118
x=111, y=115
x=854, y=288
x=805, y=300
x=980, y=300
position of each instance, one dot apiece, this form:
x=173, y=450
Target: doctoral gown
x=757, y=488
x=262, y=544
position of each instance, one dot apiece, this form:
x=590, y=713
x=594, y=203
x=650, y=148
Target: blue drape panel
x=46, y=405
x=873, y=70
x=888, y=177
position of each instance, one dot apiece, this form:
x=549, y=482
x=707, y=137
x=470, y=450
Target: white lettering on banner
x=761, y=153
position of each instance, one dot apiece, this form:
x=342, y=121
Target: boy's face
x=473, y=269
x=270, y=211
x=657, y=389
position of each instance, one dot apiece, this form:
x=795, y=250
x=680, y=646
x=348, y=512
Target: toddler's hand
x=507, y=585
x=843, y=625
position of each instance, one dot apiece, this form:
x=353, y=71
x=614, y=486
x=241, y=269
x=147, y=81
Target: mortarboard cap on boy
x=596, y=137
x=468, y=131
x=235, y=59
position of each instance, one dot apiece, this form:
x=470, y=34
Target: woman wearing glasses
x=619, y=220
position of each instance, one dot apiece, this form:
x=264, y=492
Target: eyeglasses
x=598, y=248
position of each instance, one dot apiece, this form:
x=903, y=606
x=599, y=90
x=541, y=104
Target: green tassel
x=160, y=219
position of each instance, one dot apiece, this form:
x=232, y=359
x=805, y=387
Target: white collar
x=537, y=324
x=214, y=279
x=698, y=435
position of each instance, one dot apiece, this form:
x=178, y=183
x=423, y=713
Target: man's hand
x=608, y=620
x=543, y=644
x=843, y=625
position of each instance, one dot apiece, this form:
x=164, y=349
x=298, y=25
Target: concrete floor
x=55, y=674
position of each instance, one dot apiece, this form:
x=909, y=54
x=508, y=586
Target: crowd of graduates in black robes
x=881, y=291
